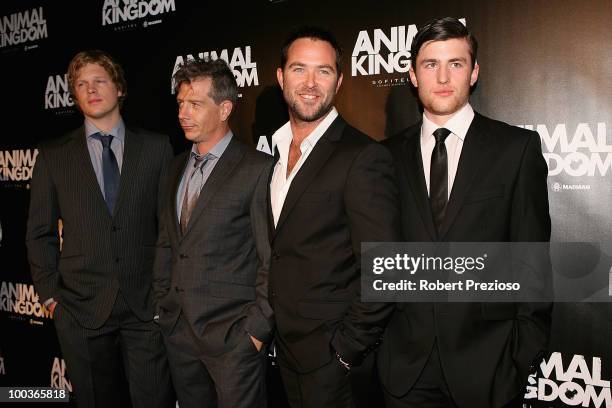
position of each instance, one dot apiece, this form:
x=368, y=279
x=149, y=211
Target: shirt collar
x=118, y=131
x=217, y=149
x=281, y=139
x=458, y=124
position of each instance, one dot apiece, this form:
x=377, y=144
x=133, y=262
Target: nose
x=443, y=76
x=91, y=88
x=310, y=79
x=183, y=111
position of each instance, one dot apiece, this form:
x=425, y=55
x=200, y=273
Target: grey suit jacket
x=102, y=252
x=217, y=272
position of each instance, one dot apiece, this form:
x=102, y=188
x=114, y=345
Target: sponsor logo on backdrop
x=21, y=300
x=22, y=28
x=582, y=151
x=239, y=59
x=59, y=379
x=0, y=234
x=16, y=167
x=57, y=94
x=130, y=14
x=384, y=55
x=576, y=383
x=2, y=369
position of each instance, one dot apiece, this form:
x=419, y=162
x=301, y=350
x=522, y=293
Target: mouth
x=187, y=128
x=444, y=92
x=94, y=101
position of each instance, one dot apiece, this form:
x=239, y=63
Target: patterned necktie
x=438, y=178
x=110, y=171
x=193, y=186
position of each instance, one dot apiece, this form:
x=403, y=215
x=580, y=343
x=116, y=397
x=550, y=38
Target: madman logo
x=58, y=375
x=244, y=69
x=57, y=94
x=22, y=27
x=381, y=52
x=121, y=11
x=22, y=299
x=17, y=165
x=583, y=152
x=578, y=384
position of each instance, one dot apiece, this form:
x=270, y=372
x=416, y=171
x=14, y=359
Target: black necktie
x=110, y=171
x=438, y=178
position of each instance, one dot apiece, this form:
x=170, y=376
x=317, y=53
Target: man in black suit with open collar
x=102, y=181
x=463, y=177
x=332, y=188
x=213, y=252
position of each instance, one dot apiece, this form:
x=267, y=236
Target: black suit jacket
x=344, y=194
x=499, y=195
x=217, y=272
x=102, y=253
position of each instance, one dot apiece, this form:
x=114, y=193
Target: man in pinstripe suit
x=101, y=180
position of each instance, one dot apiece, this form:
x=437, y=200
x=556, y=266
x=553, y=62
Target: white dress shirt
x=281, y=139
x=458, y=125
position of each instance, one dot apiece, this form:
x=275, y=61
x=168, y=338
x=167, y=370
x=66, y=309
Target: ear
x=413, y=77
x=474, y=75
x=226, y=110
x=279, y=76
x=339, y=83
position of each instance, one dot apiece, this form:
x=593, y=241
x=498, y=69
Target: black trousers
x=326, y=387
x=234, y=379
x=99, y=361
x=431, y=389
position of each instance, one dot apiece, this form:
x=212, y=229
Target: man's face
x=200, y=117
x=309, y=79
x=96, y=93
x=443, y=77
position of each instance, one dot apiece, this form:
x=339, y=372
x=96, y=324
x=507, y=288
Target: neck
x=300, y=129
x=441, y=120
x=106, y=123
x=205, y=146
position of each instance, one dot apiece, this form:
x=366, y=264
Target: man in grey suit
x=211, y=269
x=102, y=181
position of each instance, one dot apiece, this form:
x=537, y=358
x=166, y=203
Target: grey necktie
x=193, y=186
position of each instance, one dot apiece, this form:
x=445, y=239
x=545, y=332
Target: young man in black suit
x=463, y=177
x=102, y=181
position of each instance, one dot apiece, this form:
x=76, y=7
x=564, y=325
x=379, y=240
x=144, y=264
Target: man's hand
x=258, y=344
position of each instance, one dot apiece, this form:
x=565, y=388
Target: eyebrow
x=301, y=64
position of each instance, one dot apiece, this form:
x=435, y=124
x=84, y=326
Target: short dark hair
x=314, y=33
x=103, y=59
x=442, y=29
x=224, y=86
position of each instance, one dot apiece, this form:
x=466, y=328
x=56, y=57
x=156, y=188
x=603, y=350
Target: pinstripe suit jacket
x=102, y=252
x=217, y=272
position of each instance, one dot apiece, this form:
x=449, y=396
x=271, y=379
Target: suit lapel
x=85, y=167
x=129, y=169
x=470, y=162
x=310, y=168
x=413, y=169
x=271, y=227
x=177, y=174
x=227, y=162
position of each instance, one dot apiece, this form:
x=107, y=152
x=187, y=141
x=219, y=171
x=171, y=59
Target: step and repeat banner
x=544, y=65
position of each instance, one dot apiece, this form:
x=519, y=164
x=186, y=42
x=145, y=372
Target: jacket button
x=183, y=256
x=275, y=256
